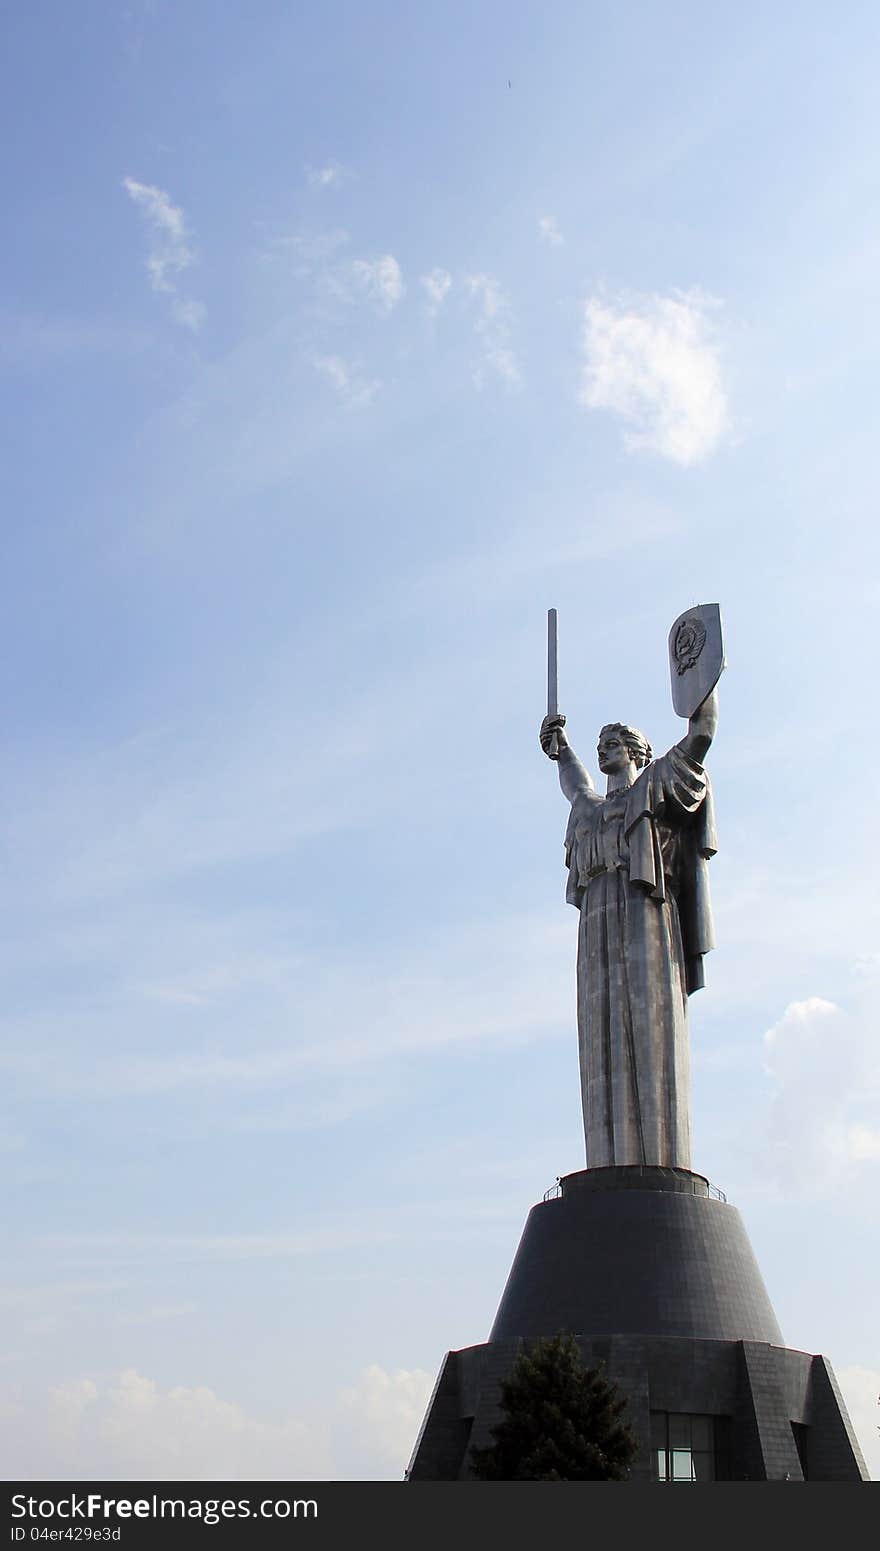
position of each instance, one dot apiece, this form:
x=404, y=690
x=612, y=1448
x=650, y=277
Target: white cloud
x=825, y=1066
x=387, y=1410
x=128, y=1427
x=326, y=176
x=548, y=231
x=380, y=280
x=69, y=1402
x=436, y=284
x=860, y=1388
x=170, y=251
x=497, y=359
x=131, y=1428
x=347, y=379
x=803, y=1019
x=653, y=360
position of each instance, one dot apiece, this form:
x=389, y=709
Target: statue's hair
x=636, y=742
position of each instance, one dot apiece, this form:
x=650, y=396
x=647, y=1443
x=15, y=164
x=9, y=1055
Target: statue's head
x=620, y=745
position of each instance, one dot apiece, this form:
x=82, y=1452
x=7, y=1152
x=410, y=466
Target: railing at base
x=555, y=1191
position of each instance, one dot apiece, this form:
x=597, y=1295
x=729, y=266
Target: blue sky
x=339, y=342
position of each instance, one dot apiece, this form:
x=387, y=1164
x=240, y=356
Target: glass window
x=683, y=1447
x=682, y=1465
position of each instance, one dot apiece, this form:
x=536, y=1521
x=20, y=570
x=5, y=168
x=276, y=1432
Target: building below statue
x=654, y=1275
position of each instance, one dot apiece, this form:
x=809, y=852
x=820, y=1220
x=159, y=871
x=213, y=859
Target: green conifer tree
x=561, y=1421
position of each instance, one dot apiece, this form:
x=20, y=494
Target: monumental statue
x=640, y=1258
x=637, y=873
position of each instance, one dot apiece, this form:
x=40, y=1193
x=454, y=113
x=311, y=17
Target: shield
x=696, y=656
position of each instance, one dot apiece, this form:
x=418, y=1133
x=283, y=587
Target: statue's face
x=613, y=754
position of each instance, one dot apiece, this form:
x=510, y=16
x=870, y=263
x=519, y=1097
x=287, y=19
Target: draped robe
x=637, y=865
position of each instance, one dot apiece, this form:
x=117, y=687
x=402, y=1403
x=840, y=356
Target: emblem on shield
x=690, y=638
x=696, y=656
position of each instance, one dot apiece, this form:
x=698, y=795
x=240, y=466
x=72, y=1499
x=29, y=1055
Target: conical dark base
x=656, y=1278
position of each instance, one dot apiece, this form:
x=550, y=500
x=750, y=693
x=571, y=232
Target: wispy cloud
x=654, y=361
x=325, y=177
x=436, y=285
x=380, y=279
x=173, y=798
x=127, y=1247
x=492, y=327
x=549, y=231
x=348, y=380
x=170, y=250
x=333, y=1028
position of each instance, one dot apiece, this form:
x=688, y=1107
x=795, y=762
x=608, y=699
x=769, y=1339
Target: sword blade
x=552, y=665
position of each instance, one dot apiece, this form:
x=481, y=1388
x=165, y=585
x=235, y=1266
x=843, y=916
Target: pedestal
x=654, y=1275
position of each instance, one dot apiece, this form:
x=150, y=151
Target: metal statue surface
x=696, y=656
x=637, y=873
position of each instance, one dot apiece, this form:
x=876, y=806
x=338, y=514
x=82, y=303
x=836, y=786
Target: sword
x=552, y=677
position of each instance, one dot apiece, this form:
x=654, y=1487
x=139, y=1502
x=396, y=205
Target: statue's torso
x=601, y=842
